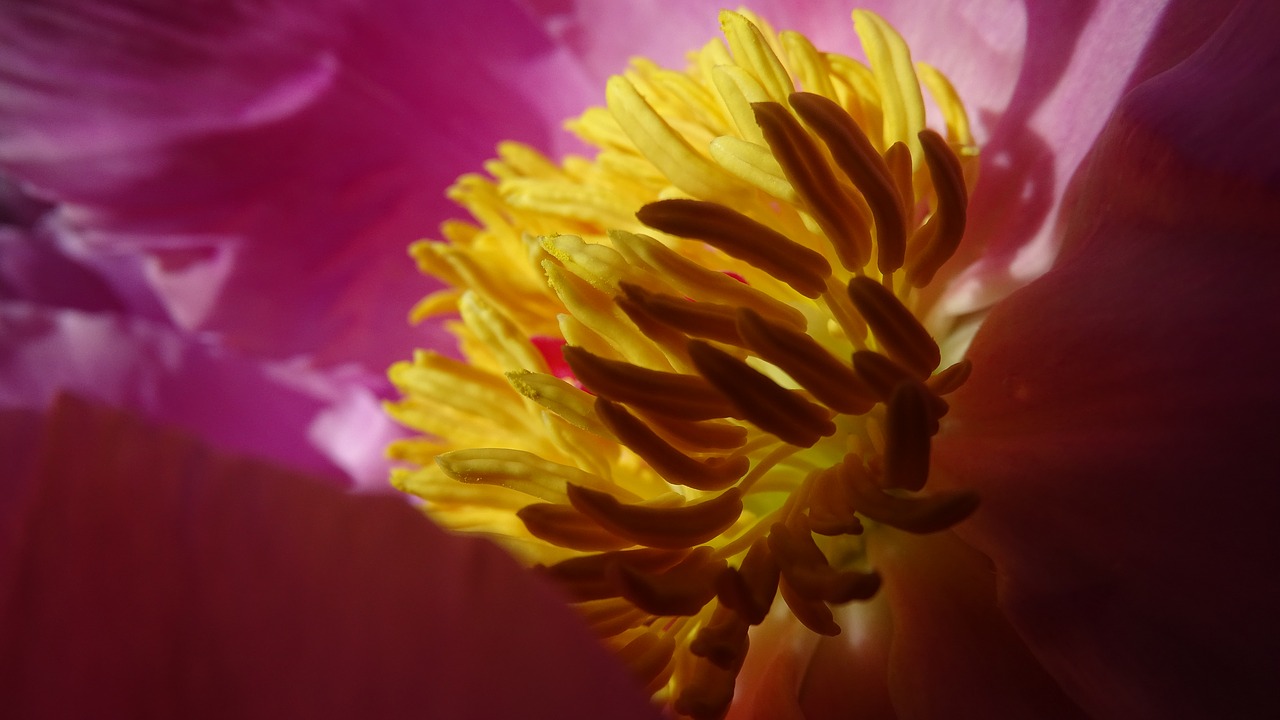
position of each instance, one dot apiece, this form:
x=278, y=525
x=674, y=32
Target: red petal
x=154, y=577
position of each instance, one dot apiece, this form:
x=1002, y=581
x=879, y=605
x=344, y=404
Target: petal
x=154, y=577
x=327, y=423
x=271, y=162
x=1120, y=422
x=954, y=654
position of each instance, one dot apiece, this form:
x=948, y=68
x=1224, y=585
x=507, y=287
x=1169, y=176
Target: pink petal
x=271, y=162
x=153, y=577
x=1121, y=420
x=327, y=423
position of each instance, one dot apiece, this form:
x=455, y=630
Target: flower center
x=738, y=297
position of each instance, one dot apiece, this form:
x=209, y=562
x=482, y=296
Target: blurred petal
x=270, y=160
x=954, y=654
x=153, y=577
x=326, y=423
x=1120, y=423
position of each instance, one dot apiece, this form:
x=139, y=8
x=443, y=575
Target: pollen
x=699, y=373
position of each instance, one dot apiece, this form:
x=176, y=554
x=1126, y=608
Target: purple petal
x=267, y=165
x=150, y=576
x=1121, y=424
x=323, y=422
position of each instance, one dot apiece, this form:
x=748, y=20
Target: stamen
x=702, y=436
x=673, y=465
x=810, y=575
x=855, y=155
x=708, y=693
x=906, y=438
x=760, y=400
x=672, y=528
x=697, y=319
x=592, y=577
x=741, y=237
x=951, y=379
x=566, y=527
x=683, y=396
x=683, y=589
x=920, y=514
x=648, y=655
x=723, y=640
x=749, y=589
x=834, y=209
x=807, y=362
x=895, y=327
x=937, y=240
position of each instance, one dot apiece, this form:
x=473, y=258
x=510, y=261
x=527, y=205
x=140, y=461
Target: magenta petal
x=267, y=165
x=155, y=578
x=324, y=422
x=1121, y=420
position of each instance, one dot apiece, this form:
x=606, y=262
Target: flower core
x=697, y=372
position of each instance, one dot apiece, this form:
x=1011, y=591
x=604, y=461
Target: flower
x=673, y=489
x=1187, y=157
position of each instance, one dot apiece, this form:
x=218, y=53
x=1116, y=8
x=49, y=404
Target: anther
x=673, y=465
x=806, y=569
x=895, y=327
x=684, y=396
x=739, y=236
x=831, y=206
x=750, y=588
x=723, y=640
x=880, y=373
x=608, y=617
x=700, y=436
x=672, y=527
x=937, y=240
x=857, y=157
x=563, y=526
x=831, y=511
x=906, y=438
x=683, y=589
x=698, y=319
x=760, y=400
x=919, y=514
x=951, y=379
x=808, y=363
x=590, y=577
x=814, y=614
x=708, y=692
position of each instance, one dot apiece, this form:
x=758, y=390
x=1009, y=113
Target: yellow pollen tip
x=698, y=375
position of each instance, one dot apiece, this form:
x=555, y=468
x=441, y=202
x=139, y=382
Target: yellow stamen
x=698, y=371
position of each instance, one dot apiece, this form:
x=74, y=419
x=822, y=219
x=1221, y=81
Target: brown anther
x=697, y=319
x=951, y=379
x=835, y=211
x=760, y=400
x=723, y=640
x=898, y=159
x=860, y=161
x=907, y=438
x=648, y=656
x=937, y=240
x=566, y=527
x=749, y=590
x=831, y=510
x=683, y=589
x=701, y=436
x=814, y=614
x=739, y=236
x=919, y=514
x=666, y=527
x=685, y=396
x=707, y=693
x=880, y=373
x=895, y=327
x=674, y=466
x=589, y=577
x=808, y=363
x=806, y=569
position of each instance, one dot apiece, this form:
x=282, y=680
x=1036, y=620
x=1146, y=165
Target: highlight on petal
x=1120, y=420
x=147, y=574
x=260, y=166
x=324, y=422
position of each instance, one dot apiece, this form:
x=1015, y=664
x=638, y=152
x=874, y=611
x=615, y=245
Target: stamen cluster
x=696, y=374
